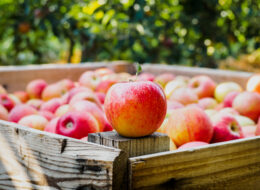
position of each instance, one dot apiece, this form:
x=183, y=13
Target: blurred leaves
x=172, y=31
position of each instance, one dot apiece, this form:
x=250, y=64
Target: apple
x=184, y=96
x=77, y=90
x=62, y=110
x=51, y=126
x=66, y=84
x=89, y=79
x=172, y=86
x=244, y=121
x=76, y=124
x=90, y=107
x=253, y=83
x=226, y=129
x=54, y=90
x=229, y=98
x=189, y=124
x=22, y=95
x=34, y=121
x=225, y=88
x=3, y=113
x=101, y=96
x=192, y=145
x=104, y=86
x=208, y=103
x=223, y=112
x=135, y=109
x=164, y=78
x=202, y=85
x=15, y=99
x=20, y=111
x=172, y=105
x=35, y=88
x=90, y=96
x=51, y=105
x=248, y=131
x=6, y=101
x=48, y=115
x=247, y=104
x=35, y=103
x=145, y=77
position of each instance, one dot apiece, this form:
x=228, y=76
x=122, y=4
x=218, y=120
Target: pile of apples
x=198, y=112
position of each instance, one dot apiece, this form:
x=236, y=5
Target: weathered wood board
x=32, y=159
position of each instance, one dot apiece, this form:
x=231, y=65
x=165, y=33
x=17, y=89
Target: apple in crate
x=51, y=126
x=135, y=109
x=227, y=128
x=77, y=124
x=34, y=121
x=6, y=101
x=35, y=88
x=189, y=124
x=164, y=78
x=247, y=104
x=224, y=89
x=21, y=111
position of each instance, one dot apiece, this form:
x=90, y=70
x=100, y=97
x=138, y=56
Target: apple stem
x=69, y=125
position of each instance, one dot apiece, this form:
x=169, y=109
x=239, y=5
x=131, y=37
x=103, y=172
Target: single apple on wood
x=135, y=109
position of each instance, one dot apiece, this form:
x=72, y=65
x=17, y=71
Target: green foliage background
x=184, y=32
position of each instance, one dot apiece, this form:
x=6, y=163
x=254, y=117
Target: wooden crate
x=31, y=159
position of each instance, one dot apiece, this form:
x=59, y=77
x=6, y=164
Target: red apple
x=34, y=121
x=89, y=79
x=164, y=78
x=89, y=96
x=51, y=126
x=226, y=129
x=77, y=90
x=90, y=107
x=208, y=103
x=35, y=103
x=145, y=77
x=3, y=113
x=76, y=124
x=104, y=86
x=247, y=104
x=51, y=105
x=22, y=95
x=35, y=88
x=192, y=145
x=229, y=98
x=6, y=101
x=21, y=111
x=189, y=124
x=48, y=115
x=184, y=96
x=135, y=109
x=203, y=86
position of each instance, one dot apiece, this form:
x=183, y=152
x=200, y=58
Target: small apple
x=208, y=103
x=229, y=98
x=184, y=96
x=226, y=129
x=51, y=105
x=34, y=121
x=77, y=90
x=90, y=79
x=225, y=88
x=89, y=96
x=104, y=86
x=35, y=88
x=203, y=86
x=6, y=101
x=35, y=103
x=172, y=86
x=76, y=124
x=192, y=145
x=164, y=78
x=253, y=83
x=135, y=109
x=247, y=104
x=53, y=91
x=145, y=77
x=20, y=111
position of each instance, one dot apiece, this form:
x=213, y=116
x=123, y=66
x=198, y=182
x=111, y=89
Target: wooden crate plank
x=216, y=74
x=214, y=165
x=157, y=142
x=32, y=159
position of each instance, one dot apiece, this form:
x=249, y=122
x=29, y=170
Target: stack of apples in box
x=192, y=111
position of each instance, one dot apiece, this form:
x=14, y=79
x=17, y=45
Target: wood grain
x=227, y=165
x=17, y=77
x=31, y=159
x=157, y=142
x=216, y=74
